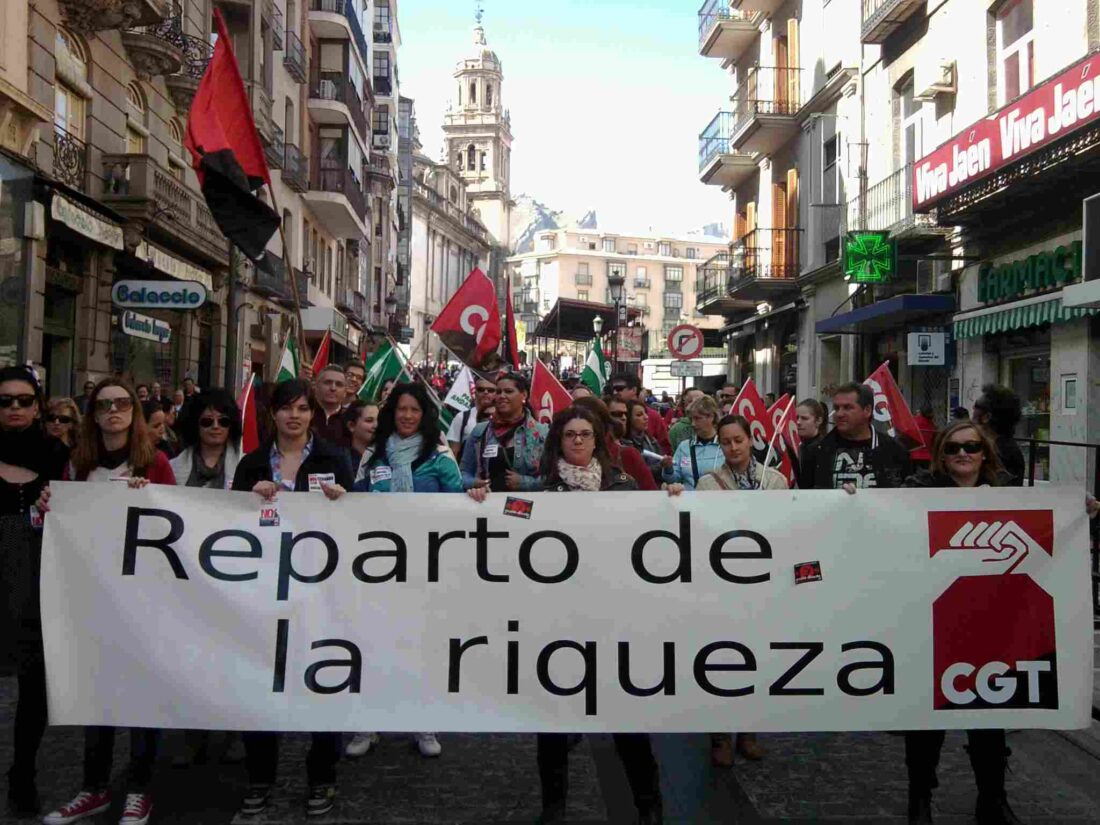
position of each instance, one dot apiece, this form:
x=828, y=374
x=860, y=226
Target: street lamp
x=616, y=282
x=597, y=324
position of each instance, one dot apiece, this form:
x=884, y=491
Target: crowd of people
x=317, y=426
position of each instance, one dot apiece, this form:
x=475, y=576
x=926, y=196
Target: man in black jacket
x=854, y=454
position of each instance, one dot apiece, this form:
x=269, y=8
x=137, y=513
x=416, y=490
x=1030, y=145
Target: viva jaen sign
x=1046, y=113
x=1041, y=272
x=180, y=295
x=142, y=326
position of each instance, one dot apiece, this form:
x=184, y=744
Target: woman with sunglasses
x=29, y=459
x=292, y=461
x=505, y=453
x=62, y=420
x=114, y=445
x=211, y=435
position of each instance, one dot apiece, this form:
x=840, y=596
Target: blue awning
x=891, y=313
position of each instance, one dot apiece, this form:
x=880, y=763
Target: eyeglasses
x=956, y=447
x=58, y=419
x=618, y=387
x=22, y=401
x=578, y=435
x=486, y=389
x=618, y=414
x=222, y=421
x=123, y=404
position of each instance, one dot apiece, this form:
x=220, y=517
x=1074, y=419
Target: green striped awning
x=1030, y=314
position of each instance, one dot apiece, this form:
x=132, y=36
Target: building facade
x=921, y=121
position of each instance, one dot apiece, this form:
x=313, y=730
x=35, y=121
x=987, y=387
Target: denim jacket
x=527, y=443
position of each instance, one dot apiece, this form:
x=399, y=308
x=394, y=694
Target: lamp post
x=616, y=282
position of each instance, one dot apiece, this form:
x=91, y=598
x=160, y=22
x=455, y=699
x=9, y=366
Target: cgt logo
x=993, y=635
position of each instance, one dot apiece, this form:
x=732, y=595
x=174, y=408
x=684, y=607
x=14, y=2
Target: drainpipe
x=232, y=321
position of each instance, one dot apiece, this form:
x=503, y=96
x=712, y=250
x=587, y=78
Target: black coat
x=890, y=460
x=1012, y=459
x=323, y=458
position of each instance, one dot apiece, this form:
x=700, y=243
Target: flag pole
x=413, y=372
x=775, y=435
x=303, y=347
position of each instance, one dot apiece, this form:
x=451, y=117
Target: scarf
x=503, y=430
x=203, y=476
x=581, y=478
x=750, y=479
x=401, y=453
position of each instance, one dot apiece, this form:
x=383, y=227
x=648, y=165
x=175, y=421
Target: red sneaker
x=85, y=804
x=138, y=808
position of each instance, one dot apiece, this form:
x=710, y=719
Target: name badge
x=490, y=451
x=380, y=474
x=317, y=479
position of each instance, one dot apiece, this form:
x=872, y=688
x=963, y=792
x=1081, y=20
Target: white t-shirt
x=457, y=432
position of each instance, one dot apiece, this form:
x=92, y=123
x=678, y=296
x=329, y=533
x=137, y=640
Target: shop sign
x=927, y=349
x=80, y=220
x=870, y=257
x=142, y=326
x=171, y=265
x=1046, y=113
x=1041, y=272
x=179, y=295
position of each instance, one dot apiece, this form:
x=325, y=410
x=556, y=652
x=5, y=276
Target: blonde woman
x=62, y=420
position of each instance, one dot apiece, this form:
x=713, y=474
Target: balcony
x=295, y=169
x=70, y=159
x=334, y=100
x=718, y=164
x=763, y=265
x=182, y=85
x=294, y=57
x=155, y=50
x=274, y=149
x=274, y=17
x=383, y=32
x=888, y=207
x=881, y=18
x=336, y=20
x=261, y=111
x=85, y=16
x=766, y=104
x=302, y=280
x=764, y=8
x=335, y=196
x=268, y=280
x=642, y=283
x=725, y=32
x=583, y=279
x=344, y=298
x=383, y=86
x=139, y=189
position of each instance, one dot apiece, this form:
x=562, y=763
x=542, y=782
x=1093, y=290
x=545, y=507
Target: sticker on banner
x=807, y=571
x=316, y=480
x=380, y=474
x=518, y=507
x=36, y=518
x=490, y=451
x=269, y=515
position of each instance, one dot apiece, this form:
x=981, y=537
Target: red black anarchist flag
x=510, y=344
x=226, y=152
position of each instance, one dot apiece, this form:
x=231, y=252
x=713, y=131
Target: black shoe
x=920, y=809
x=552, y=814
x=995, y=811
x=321, y=800
x=255, y=800
x=23, y=798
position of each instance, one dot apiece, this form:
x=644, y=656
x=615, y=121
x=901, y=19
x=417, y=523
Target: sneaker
x=428, y=744
x=83, y=805
x=361, y=744
x=321, y=800
x=137, y=810
x=255, y=800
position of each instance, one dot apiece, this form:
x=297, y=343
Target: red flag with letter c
x=891, y=413
x=469, y=326
x=548, y=396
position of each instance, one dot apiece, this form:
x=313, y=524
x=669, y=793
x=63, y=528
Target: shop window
x=1015, y=49
x=71, y=89
x=136, y=131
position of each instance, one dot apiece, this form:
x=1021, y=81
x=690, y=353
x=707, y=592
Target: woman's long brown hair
x=991, y=466
x=89, y=447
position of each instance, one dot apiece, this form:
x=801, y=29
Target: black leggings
x=30, y=713
x=99, y=751
x=988, y=758
x=634, y=750
x=262, y=758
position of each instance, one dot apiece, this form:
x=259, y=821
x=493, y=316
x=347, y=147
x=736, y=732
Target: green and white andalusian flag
x=383, y=365
x=597, y=370
x=288, y=364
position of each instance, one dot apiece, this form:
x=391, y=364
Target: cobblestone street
x=491, y=779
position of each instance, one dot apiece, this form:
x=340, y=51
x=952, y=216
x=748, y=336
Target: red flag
x=250, y=430
x=510, y=349
x=776, y=410
x=320, y=360
x=548, y=396
x=750, y=405
x=892, y=414
x=226, y=152
x=785, y=442
x=469, y=325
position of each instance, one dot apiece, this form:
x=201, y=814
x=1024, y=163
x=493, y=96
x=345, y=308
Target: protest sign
x=776, y=610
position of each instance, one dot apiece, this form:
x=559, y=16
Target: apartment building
x=962, y=129
x=660, y=276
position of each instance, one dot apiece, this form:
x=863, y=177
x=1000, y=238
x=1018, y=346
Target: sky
x=607, y=98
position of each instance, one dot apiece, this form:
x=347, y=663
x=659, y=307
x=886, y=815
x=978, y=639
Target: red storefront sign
x=1048, y=112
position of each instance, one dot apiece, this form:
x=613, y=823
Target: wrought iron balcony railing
x=710, y=282
x=768, y=90
x=382, y=32
x=70, y=159
x=294, y=57
x=583, y=279
x=335, y=176
x=715, y=11
x=295, y=171
x=383, y=86
x=887, y=206
x=715, y=139
x=765, y=254
x=275, y=150
x=339, y=88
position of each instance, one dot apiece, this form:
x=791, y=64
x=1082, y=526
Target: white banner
x=770, y=611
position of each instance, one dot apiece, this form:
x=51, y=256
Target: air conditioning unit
x=256, y=331
x=382, y=141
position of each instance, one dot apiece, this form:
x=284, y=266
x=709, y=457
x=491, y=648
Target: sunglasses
x=968, y=447
x=222, y=421
x=22, y=401
x=618, y=387
x=58, y=419
x=104, y=405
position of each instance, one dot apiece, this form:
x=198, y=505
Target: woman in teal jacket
x=700, y=454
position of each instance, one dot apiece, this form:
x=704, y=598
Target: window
x=290, y=124
x=617, y=270
x=674, y=274
x=582, y=268
x=381, y=63
x=72, y=78
x=380, y=120
x=136, y=132
x=632, y=249
x=473, y=93
x=665, y=250
x=692, y=253
x=674, y=300
x=608, y=244
x=482, y=161
x=288, y=222
x=582, y=294
x=640, y=278
x=911, y=129
x=1015, y=49
x=471, y=158
x=382, y=16
x=488, y=94
x=175, y=149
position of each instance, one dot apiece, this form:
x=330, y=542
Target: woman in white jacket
x=210, y=429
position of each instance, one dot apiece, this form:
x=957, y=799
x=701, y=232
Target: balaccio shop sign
x=1041, y=272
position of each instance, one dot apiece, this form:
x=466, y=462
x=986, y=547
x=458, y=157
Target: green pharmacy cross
x=870, y=257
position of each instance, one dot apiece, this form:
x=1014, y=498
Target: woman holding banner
x=293, y=461
x=409, y=457
x=29, y=459
x=577, y=460
x=361, y=420
x=115, y=446
x=622, y=454
x=700, y=454
x=505, y=453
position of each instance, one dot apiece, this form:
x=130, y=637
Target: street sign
x=685, y=369
x=179, y=295
x=870, y=257
x=685, y=342
x=927, y=349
